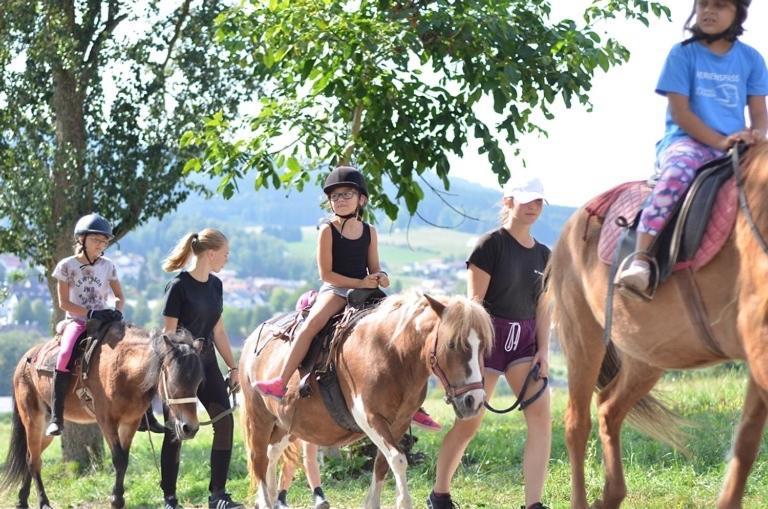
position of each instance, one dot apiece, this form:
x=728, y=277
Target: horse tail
x=650, y=414
x=15, y=467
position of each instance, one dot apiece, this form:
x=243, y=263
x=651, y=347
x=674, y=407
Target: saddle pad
x=45, y=358
x=626, y=204
x=629, y=202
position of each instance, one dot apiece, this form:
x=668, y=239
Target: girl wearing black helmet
x=84, y=284
x=347, y=257
x=708, y=79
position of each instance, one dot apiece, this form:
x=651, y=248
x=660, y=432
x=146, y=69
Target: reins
x=521, y=403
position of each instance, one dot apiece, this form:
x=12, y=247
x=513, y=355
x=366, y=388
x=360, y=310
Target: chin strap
x=345, y=217
x=708, y=38
x=85, y=253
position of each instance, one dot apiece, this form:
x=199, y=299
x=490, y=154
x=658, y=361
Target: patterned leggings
x=677, y=166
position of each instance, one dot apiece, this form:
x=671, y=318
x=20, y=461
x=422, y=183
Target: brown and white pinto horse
x=383, y=367
x=126, y=370
x=651, y=337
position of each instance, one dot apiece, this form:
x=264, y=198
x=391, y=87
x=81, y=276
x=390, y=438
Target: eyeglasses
x=99, y=242
x=347, y=195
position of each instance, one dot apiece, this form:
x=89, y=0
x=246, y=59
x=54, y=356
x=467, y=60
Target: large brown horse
x=383, y=367
x=126, y=371
x=651, y=337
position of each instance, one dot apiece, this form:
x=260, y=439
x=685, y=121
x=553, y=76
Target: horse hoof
x=117, y=503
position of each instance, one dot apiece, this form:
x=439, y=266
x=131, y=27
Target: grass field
x=490, y=477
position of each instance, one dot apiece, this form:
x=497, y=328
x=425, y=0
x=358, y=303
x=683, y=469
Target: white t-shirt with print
x=88, y=284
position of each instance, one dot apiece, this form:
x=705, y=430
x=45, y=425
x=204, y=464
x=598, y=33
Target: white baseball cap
x=524, y=189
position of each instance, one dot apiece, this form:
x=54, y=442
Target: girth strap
x=691, y=297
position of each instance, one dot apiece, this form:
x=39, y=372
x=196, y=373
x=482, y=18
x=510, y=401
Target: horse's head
x=459, y=341
x=180, y=375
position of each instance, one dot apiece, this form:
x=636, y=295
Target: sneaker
x=443, y=502
x=320, y=501
x=274, y=388
x=223, y=501
x=537, y=505
x=170, y=502
x=422, y=419
x=637, y=276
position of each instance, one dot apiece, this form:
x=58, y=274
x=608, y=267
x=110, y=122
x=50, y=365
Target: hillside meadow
x=490, y=476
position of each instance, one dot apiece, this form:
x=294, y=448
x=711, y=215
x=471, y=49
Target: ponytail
x=193, y=243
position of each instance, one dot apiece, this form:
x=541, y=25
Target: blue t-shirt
x=717, y=86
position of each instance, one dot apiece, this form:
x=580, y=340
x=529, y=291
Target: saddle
x=319, y=361
x=44, y=360
x=697, y=230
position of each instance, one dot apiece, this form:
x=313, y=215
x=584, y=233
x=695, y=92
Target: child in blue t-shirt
x=708, y=80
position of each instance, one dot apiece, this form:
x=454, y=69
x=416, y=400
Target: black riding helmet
x=730, y=34
x=93, y=223
x=345, y=176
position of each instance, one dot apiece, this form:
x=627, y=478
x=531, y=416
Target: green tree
x=41, y=313
x=23, y=314
x=394, y=86
x=141, y=312
x=93, y=98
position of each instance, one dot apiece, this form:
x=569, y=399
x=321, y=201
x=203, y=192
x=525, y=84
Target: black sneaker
x=223, y=501
x=537, y=505
x=435, y=502
x=170, y=502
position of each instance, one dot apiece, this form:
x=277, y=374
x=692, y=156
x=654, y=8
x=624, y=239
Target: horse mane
x=461, y=315
x=182, y=349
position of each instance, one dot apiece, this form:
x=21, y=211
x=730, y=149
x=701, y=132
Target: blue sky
x=587, y=153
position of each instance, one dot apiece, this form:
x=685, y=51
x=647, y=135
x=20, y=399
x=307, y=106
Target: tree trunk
x=73, y=196
x=82, y=443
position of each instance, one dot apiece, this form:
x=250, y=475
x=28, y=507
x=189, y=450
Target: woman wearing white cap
x=505, y=274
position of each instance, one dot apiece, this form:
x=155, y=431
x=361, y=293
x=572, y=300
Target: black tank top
x=350, y=257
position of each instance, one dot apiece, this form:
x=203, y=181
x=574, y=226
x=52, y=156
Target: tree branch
x=357, y=117
x=440, y=194
x=91, y=61
x=183, y=14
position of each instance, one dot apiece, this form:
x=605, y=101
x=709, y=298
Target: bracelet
x=230, y=370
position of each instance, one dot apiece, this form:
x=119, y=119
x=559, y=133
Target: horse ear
x=437, y=306
x=198, y=345
x=167, y=339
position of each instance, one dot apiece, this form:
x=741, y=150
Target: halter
x=451, y=391
x=743, y=205
x=174, y=401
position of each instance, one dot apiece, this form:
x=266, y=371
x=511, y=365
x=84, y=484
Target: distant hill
x=269, y=207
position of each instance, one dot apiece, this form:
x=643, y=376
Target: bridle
x=451, y=391
x=743, y=205
x=173, y=401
